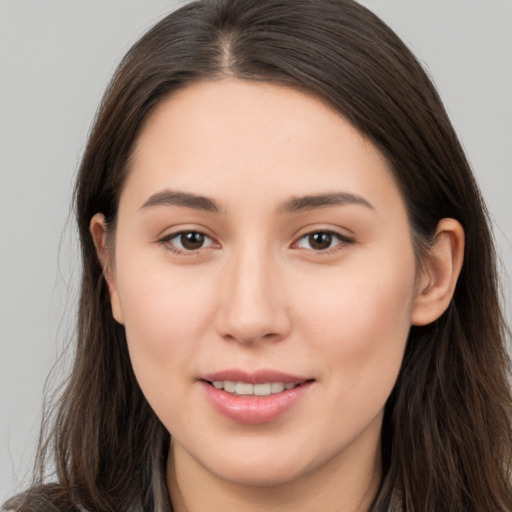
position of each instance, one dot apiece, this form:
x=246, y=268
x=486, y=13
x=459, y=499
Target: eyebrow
x=295, y=204
x=311, y=202
x=185, y=199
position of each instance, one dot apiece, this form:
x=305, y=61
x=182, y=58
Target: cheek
x=360, y=320
x=165, y=311
x=358, y=330
x=166, y=314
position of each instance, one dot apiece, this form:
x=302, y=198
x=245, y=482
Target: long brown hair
x=446, y=437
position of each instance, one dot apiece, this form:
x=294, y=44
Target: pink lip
x=256, y=377
x=254, y=410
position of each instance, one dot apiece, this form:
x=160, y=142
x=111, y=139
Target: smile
x=256, y=397
x=247, y=389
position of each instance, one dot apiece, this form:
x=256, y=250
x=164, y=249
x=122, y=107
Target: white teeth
x=229, y=386
x=244, y=388
x=263, y=389
x=277, y=387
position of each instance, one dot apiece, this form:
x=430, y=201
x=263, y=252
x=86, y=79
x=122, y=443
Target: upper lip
x=261, y=376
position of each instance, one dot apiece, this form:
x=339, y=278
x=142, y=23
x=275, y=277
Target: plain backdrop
x=57, y=56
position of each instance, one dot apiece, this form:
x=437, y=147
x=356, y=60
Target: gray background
x=56, y=57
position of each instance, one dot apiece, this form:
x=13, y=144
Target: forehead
x=261, y=139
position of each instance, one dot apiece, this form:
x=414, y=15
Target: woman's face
x=265, y=275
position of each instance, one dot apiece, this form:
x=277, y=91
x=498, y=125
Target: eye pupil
x=192, y=240
x=320, y=241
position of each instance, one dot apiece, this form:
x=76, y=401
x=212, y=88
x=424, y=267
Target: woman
x=289, y=295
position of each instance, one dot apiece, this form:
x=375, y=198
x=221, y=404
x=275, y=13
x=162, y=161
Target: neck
x=343, y=484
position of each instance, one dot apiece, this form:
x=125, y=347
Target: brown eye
x=320, y=241
x=187, y=241
x=192, y=240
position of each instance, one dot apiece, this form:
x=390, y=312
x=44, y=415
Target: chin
x=264, y=466
x=269, y=474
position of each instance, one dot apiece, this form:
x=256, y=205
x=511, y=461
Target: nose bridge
x=254, y=305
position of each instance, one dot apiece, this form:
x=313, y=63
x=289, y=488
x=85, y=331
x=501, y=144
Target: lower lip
x=252, y=409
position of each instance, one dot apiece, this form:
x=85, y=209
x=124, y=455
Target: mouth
x=241, y=388
x=252, y=398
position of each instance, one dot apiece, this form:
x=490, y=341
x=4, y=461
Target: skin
x=259, y=294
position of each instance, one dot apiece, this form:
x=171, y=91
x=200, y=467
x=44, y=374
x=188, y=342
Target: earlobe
x=440, y=271
x=98, y=230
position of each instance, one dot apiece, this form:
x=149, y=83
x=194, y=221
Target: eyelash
x=167, y=242
x=342, y=240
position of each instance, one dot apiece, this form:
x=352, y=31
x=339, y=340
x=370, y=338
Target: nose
x=254, y=306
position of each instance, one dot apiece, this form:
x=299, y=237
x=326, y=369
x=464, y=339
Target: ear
x=98, y=230
x=440, y=271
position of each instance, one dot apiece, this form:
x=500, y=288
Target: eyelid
x=166, y=241
x=342, y=241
